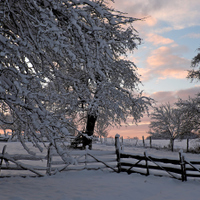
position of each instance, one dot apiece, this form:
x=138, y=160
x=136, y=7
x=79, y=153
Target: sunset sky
x=171, y=36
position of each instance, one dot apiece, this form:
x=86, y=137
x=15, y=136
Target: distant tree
x=191, y=110
x=169, y=122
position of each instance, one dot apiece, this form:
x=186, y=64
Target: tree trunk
x=91, y=120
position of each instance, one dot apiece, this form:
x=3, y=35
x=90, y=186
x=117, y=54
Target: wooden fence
x=154, y=143
x=82, y=159
x=52, y=163
x=145, y=164
x=118, y=161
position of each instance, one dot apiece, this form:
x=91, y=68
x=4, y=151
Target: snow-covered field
x=99, y=185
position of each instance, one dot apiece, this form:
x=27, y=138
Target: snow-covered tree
x=101, y=83
x=65, y=59
x=195, y=72
x=169, y=122
x=191, y=106
x=107, y=83
x=191, y=110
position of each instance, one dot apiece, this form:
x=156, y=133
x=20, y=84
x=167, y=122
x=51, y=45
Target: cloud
x=173, y=13
x=192, y=35
x=151, y=21
x=173, y=96
x=158, y=40
x=165, y=62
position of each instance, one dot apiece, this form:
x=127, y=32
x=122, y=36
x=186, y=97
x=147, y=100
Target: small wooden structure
x=4, y=139
x=81, y=141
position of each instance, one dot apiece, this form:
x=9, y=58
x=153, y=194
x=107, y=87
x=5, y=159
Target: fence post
x=122, y=144
x=49, y=159
x=3, y=152
x=183, y=168
x=147, y=166
x=143, y=141
x=187, y=145
x=86, y=156
x=117, y=150
x=122, y=139
x=172, y=144
x=150, y=142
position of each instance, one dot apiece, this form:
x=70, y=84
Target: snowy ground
x=99, y=185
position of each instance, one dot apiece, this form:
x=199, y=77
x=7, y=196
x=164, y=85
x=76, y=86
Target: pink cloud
x=151, y=21
x=173, y=73
x=173, y=96
x=164, y=62
x=172, y=12
x=158, y=40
